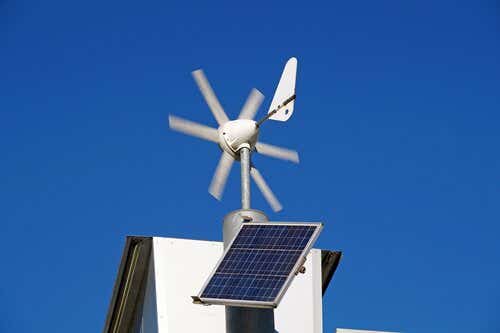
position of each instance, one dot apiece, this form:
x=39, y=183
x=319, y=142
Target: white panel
x=181, y=268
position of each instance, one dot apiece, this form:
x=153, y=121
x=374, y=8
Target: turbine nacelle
x=236, y=134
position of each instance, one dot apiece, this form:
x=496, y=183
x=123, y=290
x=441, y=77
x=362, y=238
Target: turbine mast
x=245, y=177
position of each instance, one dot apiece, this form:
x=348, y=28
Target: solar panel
x=259, y=264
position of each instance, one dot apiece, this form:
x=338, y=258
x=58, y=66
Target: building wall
x=180, y=268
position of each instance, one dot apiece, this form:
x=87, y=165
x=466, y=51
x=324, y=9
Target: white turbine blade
x=210, y=98
x=277, y=152
x=266, y=191
x=220, y=176
x=191, y=128
x=251, y=105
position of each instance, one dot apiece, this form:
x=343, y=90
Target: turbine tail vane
x=282, y=105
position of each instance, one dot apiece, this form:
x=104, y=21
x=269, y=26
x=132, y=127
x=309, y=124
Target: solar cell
x=259, y=264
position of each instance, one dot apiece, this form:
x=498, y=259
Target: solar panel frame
x=262, y=304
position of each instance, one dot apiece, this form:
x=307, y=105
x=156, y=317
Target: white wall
x=181, y=267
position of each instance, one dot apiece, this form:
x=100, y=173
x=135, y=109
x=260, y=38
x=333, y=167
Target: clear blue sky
x=397, y=122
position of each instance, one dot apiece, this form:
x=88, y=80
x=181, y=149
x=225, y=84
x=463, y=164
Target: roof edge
x=126, y=290
x=329, y=262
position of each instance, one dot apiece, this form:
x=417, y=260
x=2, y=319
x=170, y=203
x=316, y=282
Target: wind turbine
x=239, y=138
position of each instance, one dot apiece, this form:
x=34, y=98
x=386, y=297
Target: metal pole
x=245, y=177
x=240, y=319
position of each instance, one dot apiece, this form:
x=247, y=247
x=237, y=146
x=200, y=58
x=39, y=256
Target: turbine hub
x=236, y=134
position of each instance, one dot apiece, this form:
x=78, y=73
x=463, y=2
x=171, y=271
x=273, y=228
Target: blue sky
x=396, y=119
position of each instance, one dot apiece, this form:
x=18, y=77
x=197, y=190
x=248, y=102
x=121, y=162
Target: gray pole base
x=242, y=319
x=249, y=320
